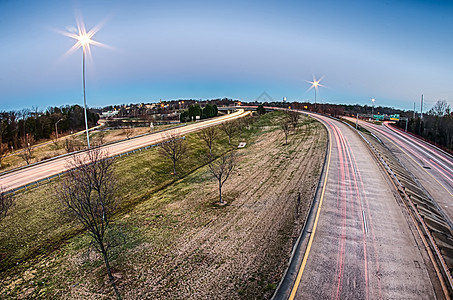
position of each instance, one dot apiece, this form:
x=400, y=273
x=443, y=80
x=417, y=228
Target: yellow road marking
x=310, y=241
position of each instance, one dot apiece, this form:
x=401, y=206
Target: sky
x=392, y=51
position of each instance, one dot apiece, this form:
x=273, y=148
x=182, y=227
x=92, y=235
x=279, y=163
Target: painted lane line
x=364, y=221
x=310, y=241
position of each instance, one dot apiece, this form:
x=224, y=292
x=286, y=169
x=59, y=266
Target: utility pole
x=414, y=111
x=421, y=108
x=357, y=121
x=56, y=128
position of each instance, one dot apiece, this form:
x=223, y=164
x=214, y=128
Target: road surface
x=361, y=244
x=43, y=170
x=432, y=167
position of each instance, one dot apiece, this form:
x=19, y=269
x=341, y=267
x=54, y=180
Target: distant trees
x=261, y=110
x=6, y=203
x=436, y=126
x=195, y=111
x=440, y=108
x=87, y=195
x=40, y=125
x=174, y=148
x=4, y=150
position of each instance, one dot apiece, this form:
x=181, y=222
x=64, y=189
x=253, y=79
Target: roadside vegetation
x=65, y=144
x=177, y=241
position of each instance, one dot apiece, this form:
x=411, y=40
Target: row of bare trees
x=290, y=119
x=221, y=166
x=88, y=192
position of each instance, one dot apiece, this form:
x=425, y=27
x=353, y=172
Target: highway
x=361, y=244
x=432, y=167
x=49, y=168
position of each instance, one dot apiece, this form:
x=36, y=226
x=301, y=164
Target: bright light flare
x=315, y=83
x=83, y=38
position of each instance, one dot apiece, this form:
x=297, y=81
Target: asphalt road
x=361, y=244
x=43, y=170
x=432, y=167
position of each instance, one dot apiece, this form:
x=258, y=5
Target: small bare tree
x=174, y=148
x=221, y=169
x=208, y=135
x=229, y=128
x=129, y=132
x=72, y=143
x=4, y=150
x=27, y=143
x=100, y=138
x=6, y=202
x=284, y=126
x=294, y=118
x=87, y=195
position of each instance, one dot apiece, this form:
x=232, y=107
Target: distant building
x=109, y=114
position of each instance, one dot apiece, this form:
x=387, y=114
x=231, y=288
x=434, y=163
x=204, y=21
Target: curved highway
x=432, y=167
x=361, y=244
x=49, y=168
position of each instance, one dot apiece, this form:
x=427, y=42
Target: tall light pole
x=56, y=129
x=84, y=40
x=315, y=84
x=372, y=108
x=85, y=97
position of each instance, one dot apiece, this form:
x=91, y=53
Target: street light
x=372, y=108
x=84, y=40
x=315, y=84
x=56, y=130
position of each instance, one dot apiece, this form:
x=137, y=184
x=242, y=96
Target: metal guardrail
x=49, y=178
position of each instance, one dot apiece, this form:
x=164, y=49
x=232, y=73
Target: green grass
x=37, y=226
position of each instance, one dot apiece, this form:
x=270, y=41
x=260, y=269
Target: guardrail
x=49, y=178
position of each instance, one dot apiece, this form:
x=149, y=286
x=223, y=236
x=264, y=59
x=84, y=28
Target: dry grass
x=178, y=243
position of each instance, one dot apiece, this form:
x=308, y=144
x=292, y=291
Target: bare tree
x=27, y=142
x=208, y=135
x=294, y=118
x=174, y=148
x=6, y=202
x=100, y=138
x=129, y=132
x=284, y=126
x=4, y=150
x=87, y=195
x=221, y=169
x=440, y=108
x=71, y=144
x=229, y=128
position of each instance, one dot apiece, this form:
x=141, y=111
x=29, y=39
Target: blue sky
x=391, y=50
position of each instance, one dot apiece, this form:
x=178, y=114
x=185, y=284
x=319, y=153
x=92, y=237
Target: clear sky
x=392, y=50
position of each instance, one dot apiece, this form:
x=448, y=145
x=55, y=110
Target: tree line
x=195, y=111
x=435, y=126
x=15, y=125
